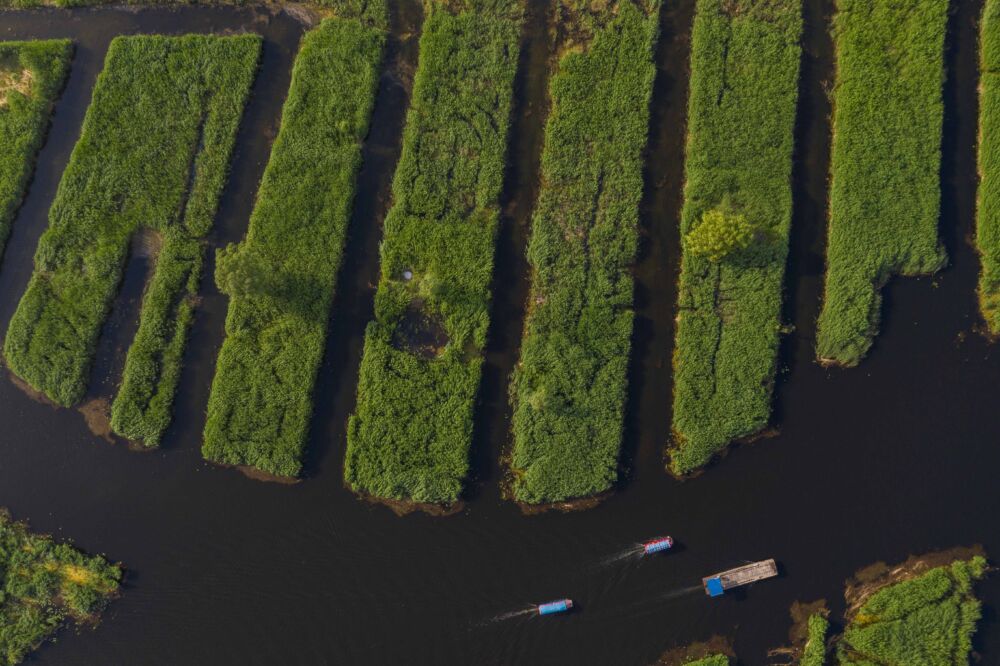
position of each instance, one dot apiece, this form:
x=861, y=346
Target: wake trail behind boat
x=530, y=610
x=631, y=554
x=681, y=592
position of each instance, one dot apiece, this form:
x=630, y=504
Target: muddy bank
x=871, y=579
x=798, y=635
x=682, y=655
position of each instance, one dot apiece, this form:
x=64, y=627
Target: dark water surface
x=895, y=457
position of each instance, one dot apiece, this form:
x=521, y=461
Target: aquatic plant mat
x=281, y=279
x=988, y=209
x=31, y=76
x=410, y=435
x=928, y=619
x=569, y=389
x=45, y=585
x=885, y=189
x=152, y=156
x=735, y=222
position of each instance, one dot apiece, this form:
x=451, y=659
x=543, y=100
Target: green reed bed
x=714, y=660
x=410, y=435
x=31, y=76
x=153, y=156
x=735, y=221
x=885, y=166
x=568, y=390
x=928, y=620
x=988, y=211
x=261, y=399
x=814, y=652
x=43, y=585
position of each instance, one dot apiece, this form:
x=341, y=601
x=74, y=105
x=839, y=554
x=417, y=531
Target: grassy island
x=735, y=222
x=569, y=388
x=44, y=585
x=988, y=210
x=885, y=165
x=281, y=279
x=409, y=437
x=153, y=156
x=31, y=76
x=928, y=619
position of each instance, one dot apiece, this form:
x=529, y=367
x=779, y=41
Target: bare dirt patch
x=14, y=81
x=97, y=414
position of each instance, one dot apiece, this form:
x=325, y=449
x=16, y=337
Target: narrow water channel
x=894, y=457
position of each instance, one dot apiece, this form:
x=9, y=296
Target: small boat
x=553, y=607
x=657, y=545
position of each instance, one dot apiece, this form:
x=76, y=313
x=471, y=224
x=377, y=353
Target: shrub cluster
x=988, y=210
x=735, y=221
x=153, y=154
x=42, y=585
x=409, y=437
x=281, y=279
x=31, y=76
x=568, y=391
x=928, y=620
x=885, y=166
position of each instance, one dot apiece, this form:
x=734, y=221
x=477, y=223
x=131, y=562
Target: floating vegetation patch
x=927, y=619
x=281, y=279
x=31, y=76
x=885, y=190
x=569, y=389
x=735, y=222
x=409, y=437
x=44, y=585
x=988, y=210
x=153, y=152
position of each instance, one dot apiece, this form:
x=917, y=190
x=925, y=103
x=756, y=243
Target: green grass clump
x=153, y=154
x=928, y=620
x=714, y=660
x=44, y=584
x=885, y=166
x=988, y=211
x=31, y=76
x=741, y=120
x=409, y=437
x=814, y=653
x=568, y=391
x=261, y=399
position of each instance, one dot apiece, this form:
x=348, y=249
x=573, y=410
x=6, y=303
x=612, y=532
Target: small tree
x=719, y=234
x=239, y=273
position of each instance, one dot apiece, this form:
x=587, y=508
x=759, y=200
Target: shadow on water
x=353, y=304
x=512, y=273
x=120, y=327
x=806, y=265
x=649, y=405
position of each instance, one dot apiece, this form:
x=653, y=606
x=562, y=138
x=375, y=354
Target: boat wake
x=682, y=592
x=631, y=554
x=530, y=610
